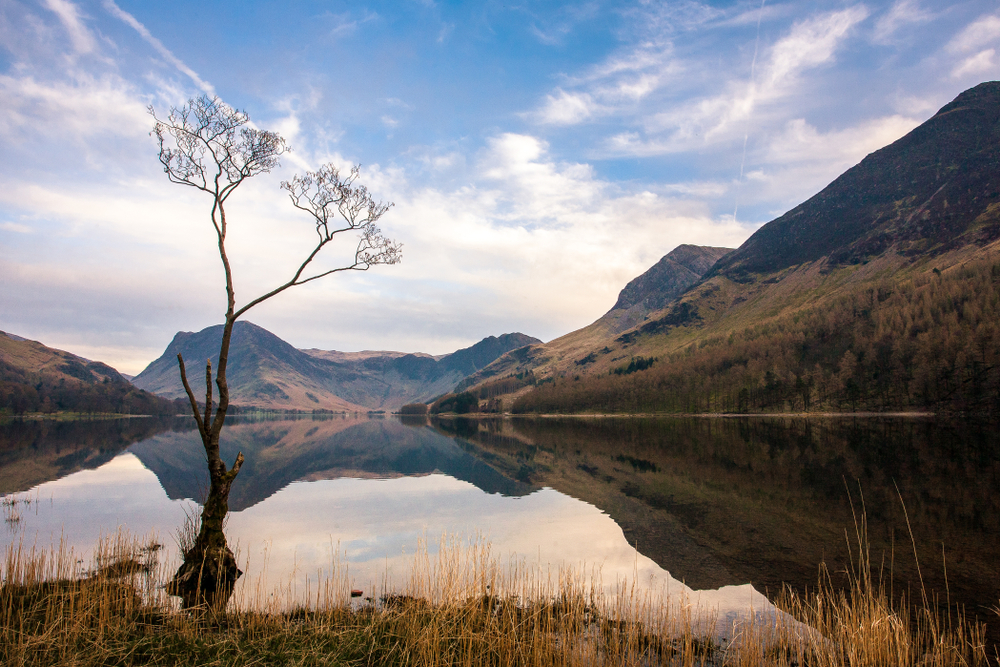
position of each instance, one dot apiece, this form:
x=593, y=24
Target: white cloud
x=533, y=240
x=983, y=62
x=69, y=110
x=801, y=142
x=564, y=108
x=610, y=87
x=69, y=15
x=979, y=33
x=346, y=24
x=809, y=44
x=15, y=227
x=722, y=117
x=902, y=13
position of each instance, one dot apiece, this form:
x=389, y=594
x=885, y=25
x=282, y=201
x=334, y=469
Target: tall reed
x=460, y=606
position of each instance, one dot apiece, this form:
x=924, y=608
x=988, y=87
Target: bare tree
x=209, y=146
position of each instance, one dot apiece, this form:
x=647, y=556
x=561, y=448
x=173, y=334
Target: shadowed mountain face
x=282, y=452
x=268, y=372
x=665, y=281
x=920, y=194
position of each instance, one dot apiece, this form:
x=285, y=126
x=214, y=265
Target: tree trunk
x=209, y=572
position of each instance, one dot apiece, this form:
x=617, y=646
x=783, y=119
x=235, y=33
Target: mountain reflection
x=34, y=451
x=766, y=500
x=281, y=452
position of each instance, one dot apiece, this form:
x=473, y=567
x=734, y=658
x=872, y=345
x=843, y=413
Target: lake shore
x=457, y=609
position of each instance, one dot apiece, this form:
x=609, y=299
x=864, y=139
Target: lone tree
x=209, y=146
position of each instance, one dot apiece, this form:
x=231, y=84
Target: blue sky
x=539, y=155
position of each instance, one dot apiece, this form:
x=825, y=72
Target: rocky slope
x=665, y=281
x=678, y=270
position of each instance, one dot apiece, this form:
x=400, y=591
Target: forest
x=929, y=342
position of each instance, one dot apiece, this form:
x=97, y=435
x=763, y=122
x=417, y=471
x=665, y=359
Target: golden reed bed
x=460, y=606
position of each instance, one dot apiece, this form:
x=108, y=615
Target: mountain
x=934, y=190
x=665, y=281
x=676, y=271
x=38, y=378
x=880, y=292
x=265, y=371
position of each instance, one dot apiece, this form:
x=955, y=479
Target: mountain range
x=265, y=371
x=879, y=292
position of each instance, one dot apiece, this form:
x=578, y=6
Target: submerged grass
x=459, y=607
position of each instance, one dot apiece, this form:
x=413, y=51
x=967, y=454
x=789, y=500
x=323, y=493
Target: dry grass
x=460, y=607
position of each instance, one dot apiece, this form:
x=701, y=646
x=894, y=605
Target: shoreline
x=685, y=415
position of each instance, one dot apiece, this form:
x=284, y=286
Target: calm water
x=729, y=507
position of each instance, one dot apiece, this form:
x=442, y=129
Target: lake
x=722, y=511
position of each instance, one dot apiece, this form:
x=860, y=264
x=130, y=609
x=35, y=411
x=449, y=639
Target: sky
x=539, y=155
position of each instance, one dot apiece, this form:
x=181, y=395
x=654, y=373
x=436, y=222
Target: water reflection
x=716, y=503
x=281, y=452
x=37, y=451
x=371, y=490
x=765, y=500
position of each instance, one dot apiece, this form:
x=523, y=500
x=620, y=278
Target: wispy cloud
x=69, y=16
x=975, y=47
x=981, y=32
x=446, y=30
x=16, y=228
x=902, y=14
x=166, y=53
x=721, y=117
x=347, y=24
x=612, y=87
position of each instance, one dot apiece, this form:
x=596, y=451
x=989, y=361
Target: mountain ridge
x=674, y=273
x=265, y=371
x=909, y=191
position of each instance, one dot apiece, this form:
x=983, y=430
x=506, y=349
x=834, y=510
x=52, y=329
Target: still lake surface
x=720, y=510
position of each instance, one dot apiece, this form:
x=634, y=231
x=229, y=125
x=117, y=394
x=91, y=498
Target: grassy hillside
x=37, y=378
x=927, y=342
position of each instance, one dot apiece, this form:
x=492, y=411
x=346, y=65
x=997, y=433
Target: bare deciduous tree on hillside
x=209, y=146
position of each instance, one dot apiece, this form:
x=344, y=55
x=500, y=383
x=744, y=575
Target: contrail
x=120, y=13
x=746, y=130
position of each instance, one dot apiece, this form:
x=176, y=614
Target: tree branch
x=208, y=390
x=235, y=470
x=194, y=403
